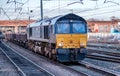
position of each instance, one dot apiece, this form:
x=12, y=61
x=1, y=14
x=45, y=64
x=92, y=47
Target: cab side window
x=46, y=32
x=30, y=31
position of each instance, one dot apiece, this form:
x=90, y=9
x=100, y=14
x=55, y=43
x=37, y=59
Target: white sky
x=89, y=9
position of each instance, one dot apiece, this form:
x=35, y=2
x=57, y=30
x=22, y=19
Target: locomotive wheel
x=46, y=53
x=54, y=56
x=42, y=51
x=50, y=55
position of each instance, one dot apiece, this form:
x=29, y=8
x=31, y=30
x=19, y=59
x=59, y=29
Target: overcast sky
x=100, y=9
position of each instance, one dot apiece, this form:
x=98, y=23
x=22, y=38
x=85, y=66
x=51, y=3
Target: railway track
x=112, y=56
x=102, y=51
x=6, y=67
x=99, y=69
x=24, y=65
x=96, y=69
x=111, y=46
x=105, y=58
x=92, y=70
x=56, y=63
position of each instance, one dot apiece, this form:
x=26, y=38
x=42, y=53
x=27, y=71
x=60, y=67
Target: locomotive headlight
x=82, y=44
x=60, y=44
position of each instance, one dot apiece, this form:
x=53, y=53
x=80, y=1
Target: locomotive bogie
x=70, y=55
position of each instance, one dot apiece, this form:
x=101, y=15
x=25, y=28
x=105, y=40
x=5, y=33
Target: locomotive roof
x=53, y=20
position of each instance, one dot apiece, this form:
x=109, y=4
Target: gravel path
x=55, y=68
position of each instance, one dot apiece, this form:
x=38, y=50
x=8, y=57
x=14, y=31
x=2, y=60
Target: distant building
x=103, y=26
x=19, y=26
x=14, y=26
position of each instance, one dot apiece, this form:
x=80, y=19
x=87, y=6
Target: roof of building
x=15, y=22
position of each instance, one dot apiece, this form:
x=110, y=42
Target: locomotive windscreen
x=65, y=27
x=79, y=27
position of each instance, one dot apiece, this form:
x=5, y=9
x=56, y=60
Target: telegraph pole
x=41, y=9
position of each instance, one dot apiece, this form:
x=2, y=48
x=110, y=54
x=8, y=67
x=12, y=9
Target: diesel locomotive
x=63, y=38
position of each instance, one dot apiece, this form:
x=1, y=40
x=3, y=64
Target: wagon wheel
x=54, y=57
x=42, y=50
x=54, y=54
x=50, y=55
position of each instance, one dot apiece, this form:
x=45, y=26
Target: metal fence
x=104, y=37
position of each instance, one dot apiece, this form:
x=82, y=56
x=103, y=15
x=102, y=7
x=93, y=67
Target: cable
x=96, y=9
x=5, y=12
x=13, y=2
x=57, y=8
x=80, y=11
x=101, y=13
x=21, y=9
x=111, y=2
x=105, y=1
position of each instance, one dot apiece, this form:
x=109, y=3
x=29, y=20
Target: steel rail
x=13, y=63
x=104, y=46
x=104, y=52
x=111, y=59
x=29, y=60
x=94, y=68
x=98, y=68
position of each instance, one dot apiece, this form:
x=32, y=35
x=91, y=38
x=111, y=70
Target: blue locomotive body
x=63, y=38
